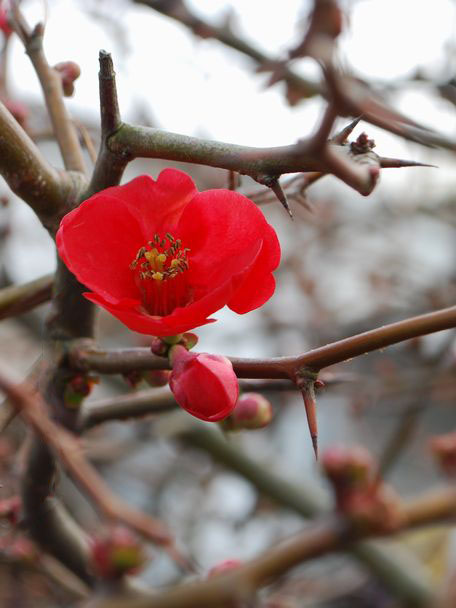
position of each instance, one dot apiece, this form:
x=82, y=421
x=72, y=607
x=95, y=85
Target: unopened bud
x=252, y=411
x=133, y=378
x=375, y=508
x=189, y=340
x=204, y=385
x=157, y=377
x=77, y=389
x=69, y=72
x=117, y=553
x=159, y=347
x=348, y=466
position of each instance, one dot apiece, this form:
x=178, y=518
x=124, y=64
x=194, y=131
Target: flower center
x=160, y=274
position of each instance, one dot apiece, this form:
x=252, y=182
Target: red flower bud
x=117, y=553
x=204, y=385
x=252, y=411
x=157, y=377
x=228, y=564
x=69, y=72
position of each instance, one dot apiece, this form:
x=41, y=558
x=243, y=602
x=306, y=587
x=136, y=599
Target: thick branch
x=29, y=175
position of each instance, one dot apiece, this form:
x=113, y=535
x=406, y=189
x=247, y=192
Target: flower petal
x=98, y=241
x=258, y=284
x=224, y=231
x=157, y=205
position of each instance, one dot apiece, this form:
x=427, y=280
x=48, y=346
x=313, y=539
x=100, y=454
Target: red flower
x=204, y=385
x=162, y=257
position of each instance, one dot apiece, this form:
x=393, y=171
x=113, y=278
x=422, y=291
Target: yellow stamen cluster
x=153, y=263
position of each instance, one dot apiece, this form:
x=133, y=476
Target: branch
x=84, y=357
x=29, y=175
x=17, y=299
x=158, y=400
x=329, y=534
x=109, y=167
x=353, y=97
x=51, y=84
x=68, y=449
x=258, y=163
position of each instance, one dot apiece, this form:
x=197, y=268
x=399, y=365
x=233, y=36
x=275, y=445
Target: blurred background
x=349, y=264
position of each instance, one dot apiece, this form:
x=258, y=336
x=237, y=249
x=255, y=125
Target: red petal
x=157, y=205
x=224, y=231
x=98, y=241
x=132, y=316
x=258, y=284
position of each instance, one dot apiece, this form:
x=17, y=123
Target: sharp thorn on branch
x=306, y=384
x=342, y=136
x=397, y=163
x=278, y=191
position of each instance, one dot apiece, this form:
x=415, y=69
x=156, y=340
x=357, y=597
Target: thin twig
x=51, y=85
x=17, y=299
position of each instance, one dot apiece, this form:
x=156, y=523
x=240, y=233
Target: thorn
x=278, y=191
x=308, y=394
x=397, y=163
x=342, y=136
x=315, y=445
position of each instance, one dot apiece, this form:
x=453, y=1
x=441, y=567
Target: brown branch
x=17, y=299
x=69, y=451
x=327, y=535
x=353, y=98
x=29, y=175
x=259, y=163
x=51, y=84
x=109, y=167
x=84, y=357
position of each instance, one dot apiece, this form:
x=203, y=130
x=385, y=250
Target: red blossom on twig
x=204, y=385
x=162, y=257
